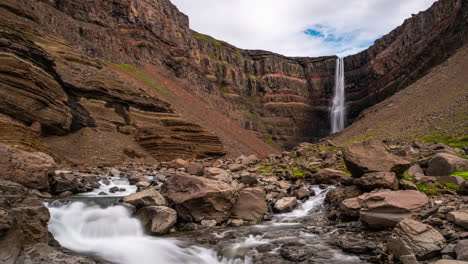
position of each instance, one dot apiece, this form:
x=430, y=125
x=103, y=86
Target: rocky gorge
x=128, y=138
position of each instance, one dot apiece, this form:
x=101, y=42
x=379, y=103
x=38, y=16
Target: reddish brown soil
x=236, y=140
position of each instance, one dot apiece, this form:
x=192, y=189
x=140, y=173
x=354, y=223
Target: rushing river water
x=110, y=233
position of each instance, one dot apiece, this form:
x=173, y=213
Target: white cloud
x=279, y=25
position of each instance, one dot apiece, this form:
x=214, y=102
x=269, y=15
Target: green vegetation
x=258, y=78
x=407, y=177
x=428, y=190
x=463, y=174
x=207, y=38
x=269, y=140
x=447, y=140
x=140, y=76
x=252, y=116
x=298, y=173
x=223, y=90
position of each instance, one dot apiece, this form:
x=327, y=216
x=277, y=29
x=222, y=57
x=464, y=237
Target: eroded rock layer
x=132, y=70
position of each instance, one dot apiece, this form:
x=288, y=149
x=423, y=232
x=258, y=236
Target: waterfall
x=338, y=108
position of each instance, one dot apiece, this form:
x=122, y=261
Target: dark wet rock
x=293, y=252
x=249, y=180
x=103, y=193
x=63, y=182
x=444, y=164
x=336, y=196
x=303, y=193
x=372, y=156
x=114, y=189
x=411, y=237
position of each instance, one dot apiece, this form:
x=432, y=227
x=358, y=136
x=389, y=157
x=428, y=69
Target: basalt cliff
x=106, y=81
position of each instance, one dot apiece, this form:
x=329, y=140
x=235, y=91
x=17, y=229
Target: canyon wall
x=131, y=76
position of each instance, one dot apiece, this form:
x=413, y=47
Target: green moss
x=451, y=186
x=223, y=89
x=463, y=174
x=428, y=190
x=298, y=173
x=141, y=76
x=269, y=140
x=460, y=142
x=264, y=171
x=407, y=177
x=253, y=116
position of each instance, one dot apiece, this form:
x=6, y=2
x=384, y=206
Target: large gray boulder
x=459, y=218
x=285, y=205
x=372, y=156
x=329, y=176
x=444, y=164
x=411, y=237
x=198, y=198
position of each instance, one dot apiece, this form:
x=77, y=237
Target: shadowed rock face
x=105, y=50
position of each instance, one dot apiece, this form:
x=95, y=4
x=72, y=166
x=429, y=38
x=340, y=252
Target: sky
x=299, y=27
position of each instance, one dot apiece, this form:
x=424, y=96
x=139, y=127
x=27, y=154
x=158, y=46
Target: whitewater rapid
x=112, y=234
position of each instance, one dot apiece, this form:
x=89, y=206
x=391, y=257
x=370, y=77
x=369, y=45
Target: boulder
x=178, y=163
x=249, y=160
x=407, y=185
x=285, y=205
x=198, y=198
x=251, y=205
x=214, y=173
x=285, y=185
x=63, y=182
x=372, y=156
x=443, y=164
x=195, y=169
x=329, y=176
x=351, y=207
x=336, y=196
x=31, y=169
x=459, y=218
x=236, y=167
x=148, y=197
x=303, y=193
x=248, y=179
x=457, y=180
x=157, y=220
x=461, y=250
x=415, y=170
x=377, y=180
x=385, y=208
x=411, y=237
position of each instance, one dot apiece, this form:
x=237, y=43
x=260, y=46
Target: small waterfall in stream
x=338, y=107
x=112, y=234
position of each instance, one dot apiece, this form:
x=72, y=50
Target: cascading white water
x=338, y=108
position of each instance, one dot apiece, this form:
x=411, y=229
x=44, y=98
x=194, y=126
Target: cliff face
x=131, y=73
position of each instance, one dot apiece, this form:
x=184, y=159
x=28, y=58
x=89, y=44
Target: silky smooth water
x=112, y=234
x=338, y=107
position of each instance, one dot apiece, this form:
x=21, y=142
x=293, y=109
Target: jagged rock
x=249, y=180
x=178, y=163
x=411, y=237
x=461, y=250
x=302, y=193
x=157, y=220
x=459, y=218
x=329, y=176
x=377, y=180
x=407, y=185
x=372, y=156
x=198, y=198
x=336, y=196
x=64, y=182
x=285, y=185
x=215, y=173
x=251, y=205
x=148, y=197
x=444, y=164
x=415, y=170
x=285, y=205
x=385, y=208
x=195, y=168
x=31, y=169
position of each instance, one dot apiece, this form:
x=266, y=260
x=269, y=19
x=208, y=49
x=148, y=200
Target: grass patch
x=463, y=174
x=428, y=190
x=140, y=76
x=449, y=141
x=407, y=177
x=223, y=90
x=298, y=173
x=269, y=140
x=207, y=38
